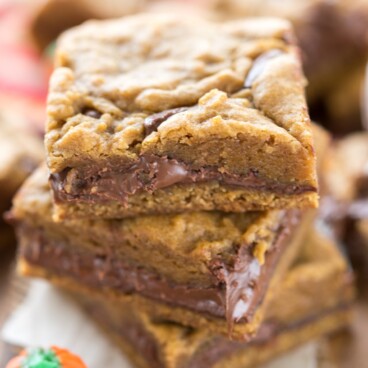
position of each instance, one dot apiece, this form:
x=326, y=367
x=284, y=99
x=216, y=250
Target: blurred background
x=333, y=39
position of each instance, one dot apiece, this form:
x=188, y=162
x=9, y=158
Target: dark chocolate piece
x=92, y=113
x=259, y=65
x=154, y=121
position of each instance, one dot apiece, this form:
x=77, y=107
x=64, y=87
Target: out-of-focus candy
x=53, y=357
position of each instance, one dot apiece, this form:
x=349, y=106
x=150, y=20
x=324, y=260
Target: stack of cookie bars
x=178, y=201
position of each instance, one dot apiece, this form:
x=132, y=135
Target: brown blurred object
x=348, y=348
x=21, y=151
x=346, y=167
x=347, y=179
x=364, y=100
x=51, y=17
x=333, y=35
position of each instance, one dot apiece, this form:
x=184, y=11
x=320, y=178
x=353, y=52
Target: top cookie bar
x=158, y=113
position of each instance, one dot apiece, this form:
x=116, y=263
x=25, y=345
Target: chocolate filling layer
x=116, y=181
x=240, y=288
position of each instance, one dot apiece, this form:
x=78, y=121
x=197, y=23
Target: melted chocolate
x=152, y=122
x=239, y=290
x=116, y=182
x=92, y=113
x=259, y=65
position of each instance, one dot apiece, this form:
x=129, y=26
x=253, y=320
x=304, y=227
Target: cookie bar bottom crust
x=220, y=300
x=140, y=337
x=208, y=196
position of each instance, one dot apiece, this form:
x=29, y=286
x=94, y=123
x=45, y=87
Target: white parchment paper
x=47, y=317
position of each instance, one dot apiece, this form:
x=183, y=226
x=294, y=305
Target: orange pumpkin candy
x=46, y=358
x=67, y=359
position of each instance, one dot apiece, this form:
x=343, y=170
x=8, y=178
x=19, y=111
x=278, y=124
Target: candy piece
x=53, y=357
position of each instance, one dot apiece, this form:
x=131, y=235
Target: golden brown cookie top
x=233, y=78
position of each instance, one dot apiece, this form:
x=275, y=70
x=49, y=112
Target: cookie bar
x=216, y=264
x=52, y=17
x=318, y=290
x=219, y=123
x=21, y=153
x=332, y=37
